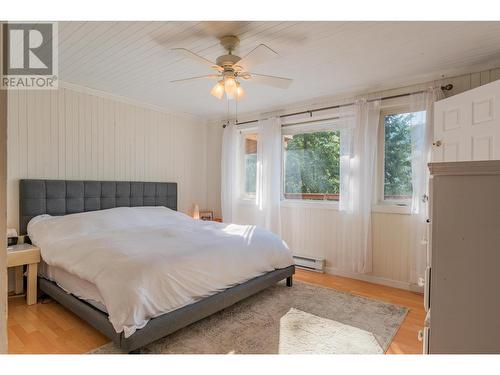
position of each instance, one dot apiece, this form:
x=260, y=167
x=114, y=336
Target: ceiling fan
x=230, y=69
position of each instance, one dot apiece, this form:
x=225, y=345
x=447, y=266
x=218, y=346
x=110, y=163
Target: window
x=397, y=171
x=311, y=166
x=250, y=163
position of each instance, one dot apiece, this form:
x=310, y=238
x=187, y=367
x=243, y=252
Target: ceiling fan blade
x=257, y=56
x=209, y=76
x=279, y=82
x=195, y=57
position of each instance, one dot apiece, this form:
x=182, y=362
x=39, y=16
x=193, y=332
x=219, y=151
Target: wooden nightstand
x=21, y=255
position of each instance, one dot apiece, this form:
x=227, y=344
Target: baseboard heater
x=309, y=263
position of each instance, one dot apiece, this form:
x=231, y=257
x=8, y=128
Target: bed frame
x=62, y=197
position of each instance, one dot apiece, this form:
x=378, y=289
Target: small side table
x=21, y=255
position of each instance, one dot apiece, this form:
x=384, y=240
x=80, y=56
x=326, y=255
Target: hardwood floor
x=50, y=328
x=405, y=341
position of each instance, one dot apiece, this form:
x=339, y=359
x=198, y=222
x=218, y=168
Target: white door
x=467, y=125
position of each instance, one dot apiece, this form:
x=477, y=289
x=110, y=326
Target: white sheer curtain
x=266, y=211
x=359, y=124
x=422, y=131
x=268, y=194
x=230, y=186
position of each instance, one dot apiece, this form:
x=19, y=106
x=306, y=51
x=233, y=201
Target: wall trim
x=125, y=100
x=370, y=278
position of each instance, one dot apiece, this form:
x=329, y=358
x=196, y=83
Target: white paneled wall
x=214, y=149
x=317, y=232
x=73, y=133
x=392, y=236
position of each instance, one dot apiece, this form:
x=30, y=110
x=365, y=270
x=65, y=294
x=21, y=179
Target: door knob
x=437, y=143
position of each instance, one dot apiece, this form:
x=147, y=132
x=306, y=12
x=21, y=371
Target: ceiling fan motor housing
x=227, y=60
x=230, y=42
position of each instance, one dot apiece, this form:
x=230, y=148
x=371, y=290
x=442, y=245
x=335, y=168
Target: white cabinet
x=464, y=214
x=462, y=294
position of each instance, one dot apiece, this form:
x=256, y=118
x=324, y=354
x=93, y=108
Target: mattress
x=72, y=284
x=143, y=262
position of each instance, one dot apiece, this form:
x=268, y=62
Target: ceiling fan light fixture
x=218, y=90
x=230, y=85
x=240, y=93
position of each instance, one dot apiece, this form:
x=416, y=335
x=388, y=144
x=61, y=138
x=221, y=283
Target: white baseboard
x=370, y=278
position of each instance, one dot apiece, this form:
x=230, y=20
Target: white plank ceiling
x=132, y=59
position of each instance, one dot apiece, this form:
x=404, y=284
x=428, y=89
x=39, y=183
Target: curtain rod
x=447, y=87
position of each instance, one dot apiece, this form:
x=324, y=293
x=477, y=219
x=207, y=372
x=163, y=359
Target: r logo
x=29, y=49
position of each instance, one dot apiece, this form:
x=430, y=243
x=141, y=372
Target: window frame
x=382, y=204
x=291, y=202
x=244, y=196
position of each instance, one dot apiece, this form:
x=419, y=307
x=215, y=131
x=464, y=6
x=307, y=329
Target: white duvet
x=146, y=261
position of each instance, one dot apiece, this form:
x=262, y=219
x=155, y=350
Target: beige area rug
x=304, y=319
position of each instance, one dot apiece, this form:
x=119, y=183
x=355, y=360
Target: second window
x=311, y=166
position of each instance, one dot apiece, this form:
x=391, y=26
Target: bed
x=112, y=222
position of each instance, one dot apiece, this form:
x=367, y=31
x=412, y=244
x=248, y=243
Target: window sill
x=328, y=205
x=247, y=201
x=332, y=205
x=392, y=209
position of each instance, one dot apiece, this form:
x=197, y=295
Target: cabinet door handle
x=420, y=335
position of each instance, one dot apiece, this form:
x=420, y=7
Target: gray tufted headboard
x=62, y=197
